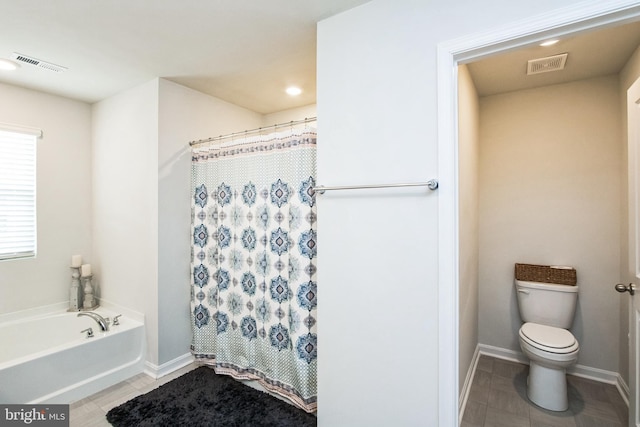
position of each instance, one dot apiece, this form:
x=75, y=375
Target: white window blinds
x=17, y=193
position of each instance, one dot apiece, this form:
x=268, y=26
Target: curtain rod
x=257, y=130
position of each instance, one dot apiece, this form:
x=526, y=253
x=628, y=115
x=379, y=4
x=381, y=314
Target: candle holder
x=89, y=302
x=75, y=296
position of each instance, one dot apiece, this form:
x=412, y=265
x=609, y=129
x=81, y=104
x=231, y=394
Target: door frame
x=580, y=17
x=633, y=95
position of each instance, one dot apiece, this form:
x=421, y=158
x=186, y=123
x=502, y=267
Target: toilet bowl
x=547, y=310
x=550, y=351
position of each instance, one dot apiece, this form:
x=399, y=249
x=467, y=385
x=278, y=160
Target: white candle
x=76, y=260
x=86, y=270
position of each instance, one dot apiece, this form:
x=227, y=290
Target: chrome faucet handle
x=89, y=332
x=116, y=320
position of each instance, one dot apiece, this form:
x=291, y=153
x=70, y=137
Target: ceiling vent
x=544, y=65
x=37, y=63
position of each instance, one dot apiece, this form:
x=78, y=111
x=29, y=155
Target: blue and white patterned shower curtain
x=254, y=261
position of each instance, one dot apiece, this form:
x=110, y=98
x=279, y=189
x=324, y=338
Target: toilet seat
x=548, y=338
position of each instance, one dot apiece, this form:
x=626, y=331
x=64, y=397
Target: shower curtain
x=254, y=290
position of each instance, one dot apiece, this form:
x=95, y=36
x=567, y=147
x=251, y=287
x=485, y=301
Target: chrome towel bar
x=432, y=184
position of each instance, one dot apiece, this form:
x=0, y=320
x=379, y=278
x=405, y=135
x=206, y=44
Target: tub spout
x=104, y=323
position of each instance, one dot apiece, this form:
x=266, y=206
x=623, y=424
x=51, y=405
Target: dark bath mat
x=203, y=398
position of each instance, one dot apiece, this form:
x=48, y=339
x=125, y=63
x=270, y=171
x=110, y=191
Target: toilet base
x=547, y=387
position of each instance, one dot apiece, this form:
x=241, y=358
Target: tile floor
x=91, y=411
x=498, y=397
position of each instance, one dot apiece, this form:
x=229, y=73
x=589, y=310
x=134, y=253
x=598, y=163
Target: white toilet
x=547, y=310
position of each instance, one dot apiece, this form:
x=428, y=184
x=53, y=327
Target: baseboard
x=503, y=353
x=464, y=393
x=594, y=374
x=155, y=371
x=583, y=371
x=623, y=389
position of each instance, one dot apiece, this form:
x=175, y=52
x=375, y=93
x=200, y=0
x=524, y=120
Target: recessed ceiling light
x=294, y=91
x=7, y=65
x=549, y=42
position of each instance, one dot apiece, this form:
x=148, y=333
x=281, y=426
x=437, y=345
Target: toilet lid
x=554, y=339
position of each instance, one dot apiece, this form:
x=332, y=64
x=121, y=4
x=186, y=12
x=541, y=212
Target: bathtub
x=46, y=359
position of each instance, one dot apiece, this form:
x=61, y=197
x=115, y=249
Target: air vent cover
x=25, y=59
x=544, y=65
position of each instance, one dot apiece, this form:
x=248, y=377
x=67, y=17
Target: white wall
x=377, y=253
x=285, y=116
x=125, y=203
x=550, y=163
x=63, y=197
x=468, y=149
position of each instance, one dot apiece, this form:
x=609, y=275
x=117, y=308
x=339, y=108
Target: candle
x=76, y=260
x=86, y=270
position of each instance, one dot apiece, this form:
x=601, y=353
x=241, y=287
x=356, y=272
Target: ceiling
x=244, y=52
x=241, y=51
x=598, y=53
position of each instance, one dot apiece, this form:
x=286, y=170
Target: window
x=17, y=192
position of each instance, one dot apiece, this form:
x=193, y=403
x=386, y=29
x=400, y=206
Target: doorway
x=450, y=55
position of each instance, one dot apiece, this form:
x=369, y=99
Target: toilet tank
x=547, y=303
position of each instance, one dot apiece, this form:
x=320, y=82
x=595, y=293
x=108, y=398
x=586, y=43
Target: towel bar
x=432, y=184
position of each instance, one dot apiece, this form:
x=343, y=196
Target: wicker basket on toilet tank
x=546, y=274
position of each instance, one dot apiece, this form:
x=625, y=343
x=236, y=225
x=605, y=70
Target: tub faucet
x=104, y=323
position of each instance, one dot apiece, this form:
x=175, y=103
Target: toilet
x=547, y=311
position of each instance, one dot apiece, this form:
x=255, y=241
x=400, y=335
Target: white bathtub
x=46, y=359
